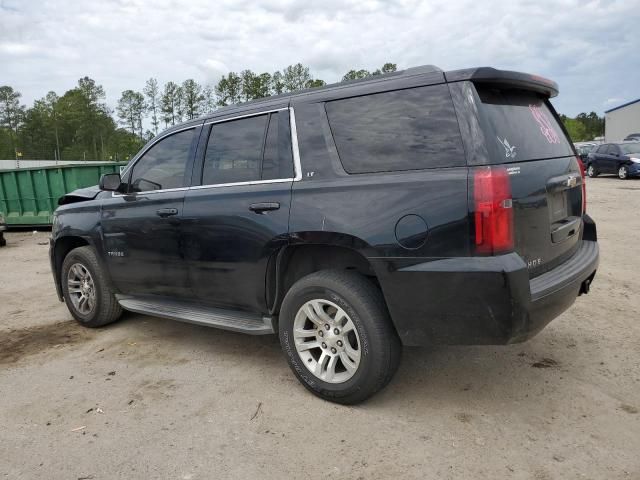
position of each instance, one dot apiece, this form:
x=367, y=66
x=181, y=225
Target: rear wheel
x=86, y=289
x=591, y=171
x=337, y=336
x=623, y=172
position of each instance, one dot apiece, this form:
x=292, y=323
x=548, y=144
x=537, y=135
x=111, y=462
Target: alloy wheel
x=327, y=341
x=81, y=288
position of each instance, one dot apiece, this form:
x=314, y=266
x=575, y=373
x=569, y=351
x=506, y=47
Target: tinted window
x=520, y=125
x=278, y=158
x=234, y=151
x=163, y=165
x=630, y=148
x=613, y=150
x=401, y=130
x=602, y=149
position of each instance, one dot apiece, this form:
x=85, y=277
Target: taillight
x=584, y=185
x=493, y=212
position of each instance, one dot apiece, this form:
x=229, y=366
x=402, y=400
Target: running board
x=234, y=320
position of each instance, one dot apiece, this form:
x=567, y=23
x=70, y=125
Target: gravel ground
x=151, y=398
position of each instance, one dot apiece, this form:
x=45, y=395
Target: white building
x=622, y=121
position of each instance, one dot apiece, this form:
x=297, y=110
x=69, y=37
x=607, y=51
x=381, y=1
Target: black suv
x=622, y=159
x=416, y=208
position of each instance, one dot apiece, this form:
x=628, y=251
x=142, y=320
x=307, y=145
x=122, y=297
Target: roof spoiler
x=505, y=77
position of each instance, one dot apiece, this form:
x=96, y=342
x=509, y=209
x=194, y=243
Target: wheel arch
x=61, y=248
x=312, y=252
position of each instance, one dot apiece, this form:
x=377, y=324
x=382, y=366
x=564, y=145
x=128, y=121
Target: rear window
x=520, y=126
x=400, y=130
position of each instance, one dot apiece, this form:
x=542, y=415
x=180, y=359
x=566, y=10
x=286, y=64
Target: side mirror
x=110, y=182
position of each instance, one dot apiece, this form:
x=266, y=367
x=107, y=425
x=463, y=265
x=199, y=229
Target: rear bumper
x=483, y=300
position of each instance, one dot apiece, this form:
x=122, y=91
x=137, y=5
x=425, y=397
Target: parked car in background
x=634, y=137
x=583, y=150
x=3, y=228
x=417, y=208
x=622, y=159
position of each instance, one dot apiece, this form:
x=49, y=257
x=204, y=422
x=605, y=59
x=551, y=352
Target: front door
x=141, y=229
x=237, y=219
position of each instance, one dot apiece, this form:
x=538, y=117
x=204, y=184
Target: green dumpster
x=29, y=196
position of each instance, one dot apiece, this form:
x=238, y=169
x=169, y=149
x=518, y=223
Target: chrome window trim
x=235, y=184
x=294, y=147
x=135, y=159
x=246, y=115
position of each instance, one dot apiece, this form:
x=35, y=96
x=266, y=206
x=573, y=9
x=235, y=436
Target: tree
x=152, y=92
x=170, y=104
x=209, y=103
x=11, y=112
x=255, y=86
x=295, y=77
x=277, y=83
x=130, y=110
x=576, y=129
x=229, y=89
x=192, y=98
x=355, y=75
x=314, y=83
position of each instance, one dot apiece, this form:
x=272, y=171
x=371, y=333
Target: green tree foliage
x=170, y=104
x=584, y=127
x=79, y=125
x=295, y=77
x=75, y=126
x=130, y=110
x=152, y=92
x=358, y=74
x=355, y=75
x=209, y=103
x=192, y=98
x=229, y=89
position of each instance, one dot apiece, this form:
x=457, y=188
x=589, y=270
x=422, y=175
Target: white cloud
x=588, y=48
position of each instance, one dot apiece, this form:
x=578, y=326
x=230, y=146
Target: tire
x=367, y=333
x=102, y=308
x=3, y=241
x=623, y=172
x=591, y=171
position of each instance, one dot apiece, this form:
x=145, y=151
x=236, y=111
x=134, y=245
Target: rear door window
x=399, y=130
x=519, y=126
x=278, y=157
x=249, y=149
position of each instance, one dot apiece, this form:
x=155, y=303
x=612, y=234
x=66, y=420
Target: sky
x=590, y=48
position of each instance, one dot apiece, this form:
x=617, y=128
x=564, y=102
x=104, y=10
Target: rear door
x=236, y=220
x=523, y=134
x=613, y=158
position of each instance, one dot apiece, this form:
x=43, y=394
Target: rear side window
x=400, y=130
x=249, y=149
x=520, y=126
x=602, y=149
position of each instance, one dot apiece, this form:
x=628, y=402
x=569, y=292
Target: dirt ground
x=151, y=398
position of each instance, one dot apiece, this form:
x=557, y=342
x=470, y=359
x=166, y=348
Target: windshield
x=520, y=125
x=628, y=148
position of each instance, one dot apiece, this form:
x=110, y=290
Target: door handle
x=167, y=212
x=262, y=207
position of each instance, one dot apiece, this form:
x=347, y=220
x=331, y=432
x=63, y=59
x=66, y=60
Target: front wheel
x=337, y=336
x=623, y=172
x=591, y=171
x=86, y=289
